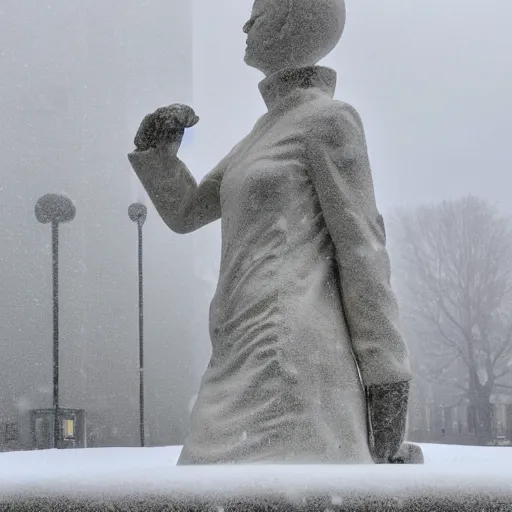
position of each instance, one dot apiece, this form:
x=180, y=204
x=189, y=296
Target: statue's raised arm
x=181, y=203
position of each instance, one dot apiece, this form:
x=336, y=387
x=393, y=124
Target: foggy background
x=430, y=80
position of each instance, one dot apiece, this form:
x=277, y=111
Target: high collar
x=281, y=84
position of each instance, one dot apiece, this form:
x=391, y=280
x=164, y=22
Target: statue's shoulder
x=330, y=116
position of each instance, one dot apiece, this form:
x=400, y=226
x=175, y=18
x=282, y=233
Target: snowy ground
x=70, y=464
x=460, y=477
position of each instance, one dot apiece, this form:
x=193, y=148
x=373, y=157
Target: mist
x=429, y=79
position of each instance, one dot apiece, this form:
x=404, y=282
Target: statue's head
x=292, y=33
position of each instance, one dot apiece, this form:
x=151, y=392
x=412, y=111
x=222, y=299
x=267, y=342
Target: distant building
x=71, y=427
x=34, y=430
x=9, y=436
x=438, y=414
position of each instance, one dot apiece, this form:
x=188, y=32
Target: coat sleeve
x=181, y=203
x=340, y=170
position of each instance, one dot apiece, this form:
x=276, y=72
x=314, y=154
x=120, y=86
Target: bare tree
x=453, y=264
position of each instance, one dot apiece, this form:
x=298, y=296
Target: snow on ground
x=118, y=476
x=71, y=464
x=471, y=455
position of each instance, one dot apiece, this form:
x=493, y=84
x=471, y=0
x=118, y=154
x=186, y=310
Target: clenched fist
x=165, y=127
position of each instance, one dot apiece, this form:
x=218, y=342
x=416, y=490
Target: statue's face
x=265, y=43
x=282, y=33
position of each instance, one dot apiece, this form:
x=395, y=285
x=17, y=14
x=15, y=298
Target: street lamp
x=55, y=209
x=137, y=213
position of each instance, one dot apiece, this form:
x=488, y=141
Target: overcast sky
x=431, y=80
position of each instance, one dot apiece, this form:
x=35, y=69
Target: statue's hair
x=304, y=32
x=314, y=28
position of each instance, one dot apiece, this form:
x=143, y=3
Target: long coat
x=303, y=316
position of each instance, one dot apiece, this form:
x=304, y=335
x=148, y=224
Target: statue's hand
x=165, y=128
x=387, y=408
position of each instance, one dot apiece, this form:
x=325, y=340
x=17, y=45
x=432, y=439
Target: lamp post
x=137, y=213
x=55, y=209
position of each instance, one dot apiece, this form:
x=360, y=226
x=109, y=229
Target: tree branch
x=503, y=373
x=450, y=317
x=503, y=386
x=451, y=343
x=505, y=347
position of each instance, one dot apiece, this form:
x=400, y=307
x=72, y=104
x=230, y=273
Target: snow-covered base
x=452, y=478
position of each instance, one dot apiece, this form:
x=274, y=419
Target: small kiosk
x=70, y=424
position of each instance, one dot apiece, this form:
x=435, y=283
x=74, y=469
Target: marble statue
x=308, y=364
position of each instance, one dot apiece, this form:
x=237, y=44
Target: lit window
x=68, y=429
